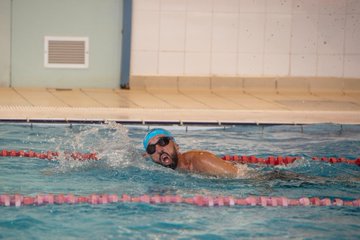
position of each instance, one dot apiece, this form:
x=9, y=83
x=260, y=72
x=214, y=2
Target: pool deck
x=158, y=105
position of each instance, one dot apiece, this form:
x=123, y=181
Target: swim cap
x=154, y=132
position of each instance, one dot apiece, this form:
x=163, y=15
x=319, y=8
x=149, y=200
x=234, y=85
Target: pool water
x=123, y=170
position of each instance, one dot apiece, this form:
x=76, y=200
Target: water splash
x=109, y=141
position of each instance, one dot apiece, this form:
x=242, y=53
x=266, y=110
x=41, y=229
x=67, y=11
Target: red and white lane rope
x=49, y=155
x=271, y=160
x=18, y=200
x=284, y=160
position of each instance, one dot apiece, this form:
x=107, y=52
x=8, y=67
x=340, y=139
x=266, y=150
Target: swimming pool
x=123, y=170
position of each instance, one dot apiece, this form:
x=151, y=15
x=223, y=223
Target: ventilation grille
x=66, y=52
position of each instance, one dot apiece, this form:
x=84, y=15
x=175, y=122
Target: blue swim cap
x=154, y=132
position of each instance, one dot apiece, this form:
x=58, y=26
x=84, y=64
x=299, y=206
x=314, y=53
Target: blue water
x=124, y=170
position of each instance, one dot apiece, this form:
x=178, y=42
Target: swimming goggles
x=163, y=141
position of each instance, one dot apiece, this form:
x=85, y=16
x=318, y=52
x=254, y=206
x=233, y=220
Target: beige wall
x=246, y=38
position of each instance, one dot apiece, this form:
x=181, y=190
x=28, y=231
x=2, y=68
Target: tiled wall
x=316, y=38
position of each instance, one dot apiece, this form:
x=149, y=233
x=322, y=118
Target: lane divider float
x=49, y=155
x=284, y=160
x=18, y=200
x=271, y=160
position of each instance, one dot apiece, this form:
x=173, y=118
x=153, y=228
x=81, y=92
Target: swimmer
x=162, y=148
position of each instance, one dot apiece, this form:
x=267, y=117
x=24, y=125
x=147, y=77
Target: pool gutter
x=173, y=116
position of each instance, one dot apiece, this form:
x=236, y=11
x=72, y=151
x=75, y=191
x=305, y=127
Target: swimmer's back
x=205, y=162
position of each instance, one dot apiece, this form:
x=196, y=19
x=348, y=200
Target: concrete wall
x=256, y=38
x=100, y=20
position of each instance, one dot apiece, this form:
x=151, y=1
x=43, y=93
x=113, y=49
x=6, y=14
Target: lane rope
x=18, y=200
x=270, y=160
x=284, y=160
x=49, y=155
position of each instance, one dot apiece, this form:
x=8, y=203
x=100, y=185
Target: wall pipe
x=126, y=45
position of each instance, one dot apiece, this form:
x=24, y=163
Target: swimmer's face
x=165, y=154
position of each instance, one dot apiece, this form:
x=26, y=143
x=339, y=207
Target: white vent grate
x=66, y=52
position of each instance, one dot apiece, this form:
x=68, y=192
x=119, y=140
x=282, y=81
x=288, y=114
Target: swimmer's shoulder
x=198, y=152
